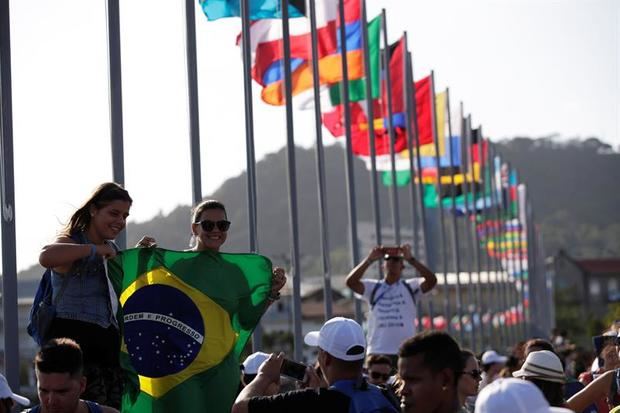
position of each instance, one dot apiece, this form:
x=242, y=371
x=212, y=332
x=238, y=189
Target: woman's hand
x=146, y=242
x=278, y=279
x=105, y=250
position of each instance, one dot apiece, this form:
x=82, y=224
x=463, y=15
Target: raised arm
x=430, y=279
x=61, y=254
x=268, y=372
x=593, y=392
x=354, y=278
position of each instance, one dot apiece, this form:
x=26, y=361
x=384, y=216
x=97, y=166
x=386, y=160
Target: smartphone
x=392, y=251
x=293, y=369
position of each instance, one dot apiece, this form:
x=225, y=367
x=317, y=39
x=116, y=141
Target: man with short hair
x=429, y=365
x=60, y=379
x=379, y=369
x=342, y=346
x=392, y=300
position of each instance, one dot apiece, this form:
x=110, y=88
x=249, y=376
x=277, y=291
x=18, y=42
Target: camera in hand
x=392, y=251
x=293, y=369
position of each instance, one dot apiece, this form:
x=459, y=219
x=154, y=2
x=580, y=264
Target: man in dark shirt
x=342, y=347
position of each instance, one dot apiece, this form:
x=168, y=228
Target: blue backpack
x=365, y=397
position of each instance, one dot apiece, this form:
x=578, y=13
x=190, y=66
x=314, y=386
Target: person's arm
x=61, y=255
x=354, y=278
x=278, y=279
x=430, y=279
x=269, y=372
x=593, y=392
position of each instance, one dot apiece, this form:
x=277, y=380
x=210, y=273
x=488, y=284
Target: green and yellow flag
x=185, y=317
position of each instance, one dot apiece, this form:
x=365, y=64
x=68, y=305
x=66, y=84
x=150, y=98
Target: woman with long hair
x=468, y=381
x=80, y=288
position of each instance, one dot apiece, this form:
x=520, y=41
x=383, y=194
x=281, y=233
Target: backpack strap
x=411, y=291
x=365, y=398
x=374, y=292
x=93, y=407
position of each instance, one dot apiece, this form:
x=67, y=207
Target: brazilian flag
x=185, y=317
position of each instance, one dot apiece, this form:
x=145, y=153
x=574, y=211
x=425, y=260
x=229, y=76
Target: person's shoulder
x=108, y=409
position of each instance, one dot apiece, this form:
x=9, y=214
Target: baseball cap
x=6, y=392
x=542, y=365
x=341, y=337
x=491, y=357
x=514, y=396
x=253, y=362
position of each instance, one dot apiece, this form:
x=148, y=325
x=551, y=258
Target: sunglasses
x=375, y=375
x=392, y=258
x=476, y=374
x=208, y=225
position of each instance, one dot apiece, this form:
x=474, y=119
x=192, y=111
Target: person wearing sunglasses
x=379, y=369
x=468, y=381
x=210, y=226
x=392, y=300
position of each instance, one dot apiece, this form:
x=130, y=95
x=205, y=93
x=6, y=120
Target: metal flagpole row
x=517, y=258
x=7, y=199
x=353, y=239
x=374, y=185
x=320, y=167
x=444, y=248
x=292, y=186
x=455, y=232
x=522, y=256
x=390, y=127
x=249, y=145
x=412, y=112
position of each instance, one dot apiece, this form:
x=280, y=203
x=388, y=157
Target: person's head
x=544, y=369
x=429, y=364
x=8, y=398
x=209, y=225
x=342, y=348
x=537, y=344
x=513, y=396
x=60, y=380
x=379, y=368
x=470, y=376
x=393, y=266
x=103, y=215
x=492, y=363
x=250, y=370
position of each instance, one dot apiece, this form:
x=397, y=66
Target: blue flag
x=259, y=9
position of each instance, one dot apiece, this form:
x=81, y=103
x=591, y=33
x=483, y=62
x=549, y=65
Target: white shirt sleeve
x=415, y=284
x=369, y=286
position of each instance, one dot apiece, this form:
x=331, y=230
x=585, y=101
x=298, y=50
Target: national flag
x=268, y=53
x=259, y=9
x=185, y=317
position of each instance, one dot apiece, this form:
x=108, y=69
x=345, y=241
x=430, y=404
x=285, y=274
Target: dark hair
x=204, y=205
x=60, y=355
x=103, y=195
x=439, y=349
x=541, y=343
x=553, y=392
x=466, y=355
x=378, y=359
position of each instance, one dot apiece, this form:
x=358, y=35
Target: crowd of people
x=389, y=368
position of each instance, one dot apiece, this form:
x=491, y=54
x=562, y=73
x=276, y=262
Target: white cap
x=542, y=365
x=6, y=392
x=253, y=362
x=514, y=396
x=341, y=337
x=491, y=357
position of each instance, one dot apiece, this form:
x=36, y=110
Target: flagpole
x=257, y=335
x=192, y=95
x=353, y=238
x=466, y=170
x=517, y=255
x=390, y=127
x=511, y=254
x=320, y=167
x=530, y=260
x=374, y=185
x=412, y=112
x=116, y=101
x=292, y=186
x=407, y=90
x=444, y=248
x=479, y=309
x=484, y=171
x=7, y=198
x=455, y=233
x=522, y=257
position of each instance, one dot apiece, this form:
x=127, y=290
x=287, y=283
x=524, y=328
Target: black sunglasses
x=375, y=375
x=476, y=374
x=208, y=225
x=393, y=258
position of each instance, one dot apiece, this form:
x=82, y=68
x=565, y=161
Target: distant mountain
x=573, y=186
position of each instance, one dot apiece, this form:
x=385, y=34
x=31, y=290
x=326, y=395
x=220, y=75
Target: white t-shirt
x=391, y=319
